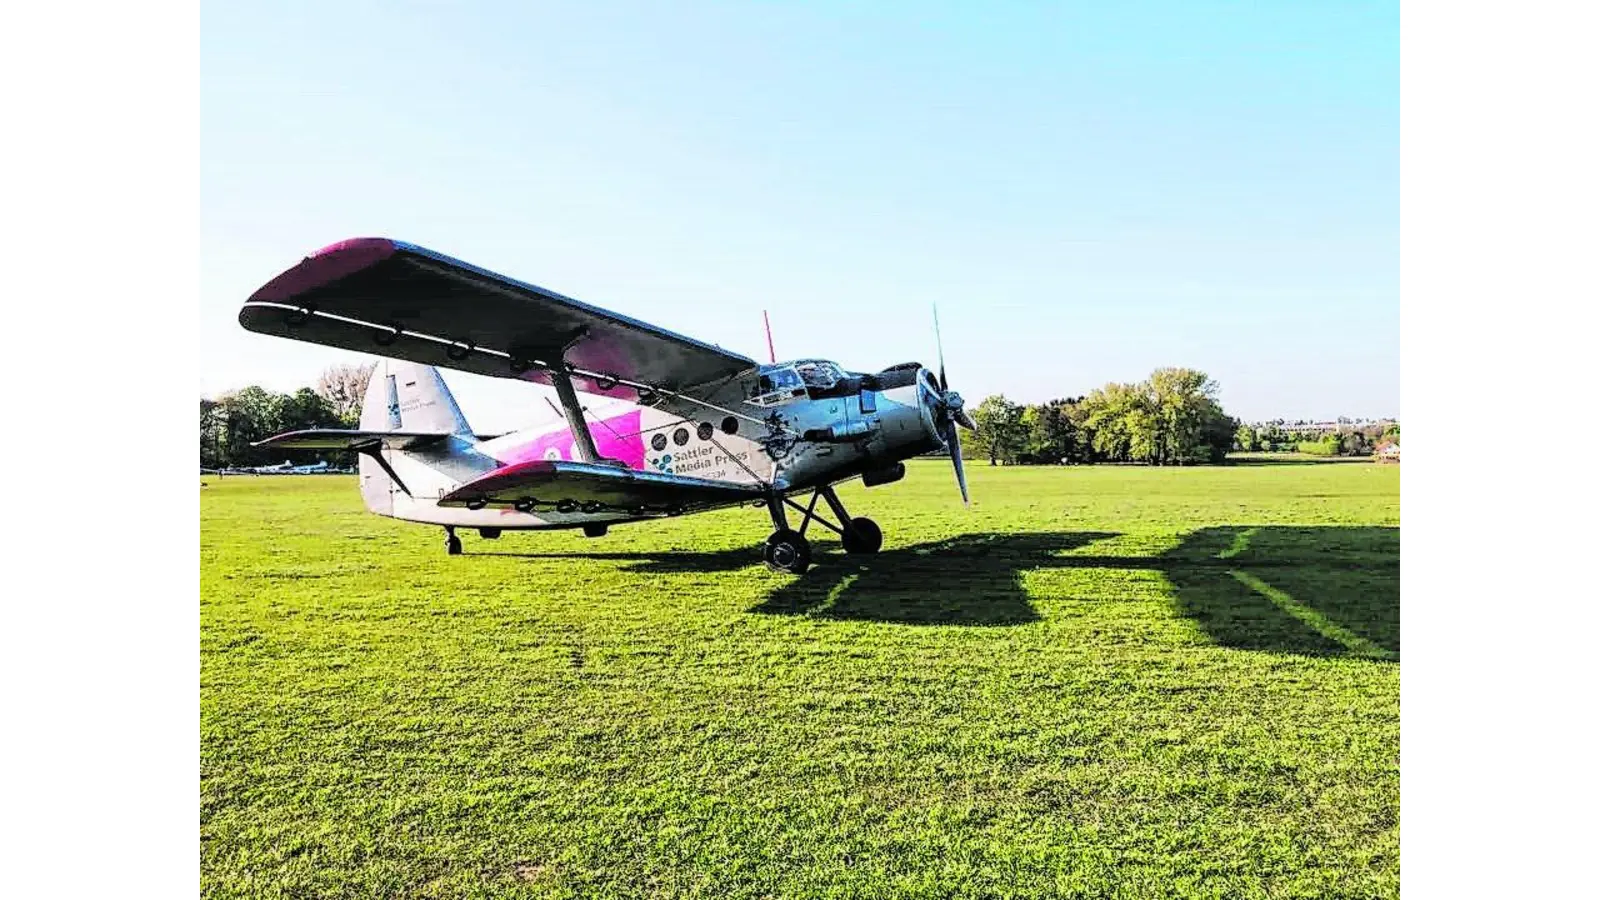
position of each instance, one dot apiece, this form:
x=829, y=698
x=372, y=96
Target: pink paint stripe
x=616, y=438
x=327, y=265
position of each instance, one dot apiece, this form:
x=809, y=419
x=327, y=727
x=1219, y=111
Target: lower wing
x=591, y=487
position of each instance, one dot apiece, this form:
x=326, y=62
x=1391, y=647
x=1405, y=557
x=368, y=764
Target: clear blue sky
x=1088, y=190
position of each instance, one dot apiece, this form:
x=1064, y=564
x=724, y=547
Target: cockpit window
x=778, y=384
x=819, y=374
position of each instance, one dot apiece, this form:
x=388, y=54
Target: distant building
x=1388, y=451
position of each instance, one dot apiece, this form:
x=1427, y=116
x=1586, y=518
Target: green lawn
x=1096, y=682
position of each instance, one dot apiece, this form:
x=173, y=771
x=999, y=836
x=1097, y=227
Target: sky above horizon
x=1088, y=191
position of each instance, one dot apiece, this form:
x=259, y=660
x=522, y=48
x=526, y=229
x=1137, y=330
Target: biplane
x=656, y=424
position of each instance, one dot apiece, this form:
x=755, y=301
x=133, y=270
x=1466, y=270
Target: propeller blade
x=955, y=459
x=943, y=384
x=964, y=420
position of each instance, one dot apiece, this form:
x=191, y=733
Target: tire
x=787, y=551
x=863, y=536
x=594, y=531
x=452, y=546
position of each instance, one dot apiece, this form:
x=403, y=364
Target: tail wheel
x=787, y=551
x=863, y=536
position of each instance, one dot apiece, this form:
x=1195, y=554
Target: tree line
x=1174, y=417
x=1349, y=439
x=230, y=423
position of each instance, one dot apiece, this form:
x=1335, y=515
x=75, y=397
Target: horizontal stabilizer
x=347, y=439
x=565, y=486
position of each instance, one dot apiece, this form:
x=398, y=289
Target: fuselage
x=772, y=427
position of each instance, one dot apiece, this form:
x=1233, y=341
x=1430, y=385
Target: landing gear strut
x=452, y=544
x=788, y=550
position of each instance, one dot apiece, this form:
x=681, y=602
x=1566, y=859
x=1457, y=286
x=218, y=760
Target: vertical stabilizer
x=405, y=396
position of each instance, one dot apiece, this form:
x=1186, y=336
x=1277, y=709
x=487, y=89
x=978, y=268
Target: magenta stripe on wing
x=329, y=264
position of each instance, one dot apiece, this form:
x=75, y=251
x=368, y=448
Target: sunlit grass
x=1100, y=681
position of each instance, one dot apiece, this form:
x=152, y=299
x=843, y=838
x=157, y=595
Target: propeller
x=949, y=410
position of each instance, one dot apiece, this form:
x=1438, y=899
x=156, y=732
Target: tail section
x=405, y=396
x=410, y=397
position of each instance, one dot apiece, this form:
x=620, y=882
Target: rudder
x=403, y=396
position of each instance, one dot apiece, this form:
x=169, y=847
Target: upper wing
x=403, y=301
x=590, y=487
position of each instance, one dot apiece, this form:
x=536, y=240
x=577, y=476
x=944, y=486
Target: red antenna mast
x=771, y=356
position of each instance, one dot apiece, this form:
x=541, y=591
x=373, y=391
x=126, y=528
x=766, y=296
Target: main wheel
x=594, y=530
x=452, y=545
x=787, y=551
x=863, y=536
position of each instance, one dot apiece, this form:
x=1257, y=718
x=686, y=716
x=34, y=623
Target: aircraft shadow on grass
x=1315, y=590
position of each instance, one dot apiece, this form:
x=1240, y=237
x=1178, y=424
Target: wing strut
x=582, y=440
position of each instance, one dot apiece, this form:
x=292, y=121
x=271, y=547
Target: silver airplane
x=655, y=424
x=282, y=468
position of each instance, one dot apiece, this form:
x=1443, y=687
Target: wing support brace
x=375, y=450
x=582, y=440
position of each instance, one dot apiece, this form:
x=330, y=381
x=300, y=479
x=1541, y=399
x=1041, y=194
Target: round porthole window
x=730, y=425
x=704, y=431
x=659, y=442
x=680, y=437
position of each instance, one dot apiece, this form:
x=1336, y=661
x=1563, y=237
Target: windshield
x=777, y=384
x=819, y=373
x=784, y=379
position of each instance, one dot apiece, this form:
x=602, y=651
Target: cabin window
x=778, y=384
x=819, y=374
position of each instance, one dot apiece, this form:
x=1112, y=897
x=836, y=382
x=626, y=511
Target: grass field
x=1097, y=682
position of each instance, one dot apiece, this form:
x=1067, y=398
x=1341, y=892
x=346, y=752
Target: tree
x=1117, y=416
x=251, y=414
x=1190, y=426
x=304, y=409
x=1053, y=434
x=213, y=435
x=343, y=386
x=1354, y=443
x=1001, y=434
x=1245, y=439
x=1172, y=418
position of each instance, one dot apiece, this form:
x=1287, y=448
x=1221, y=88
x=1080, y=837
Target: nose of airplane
x=945, y=410
x=920, y=415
